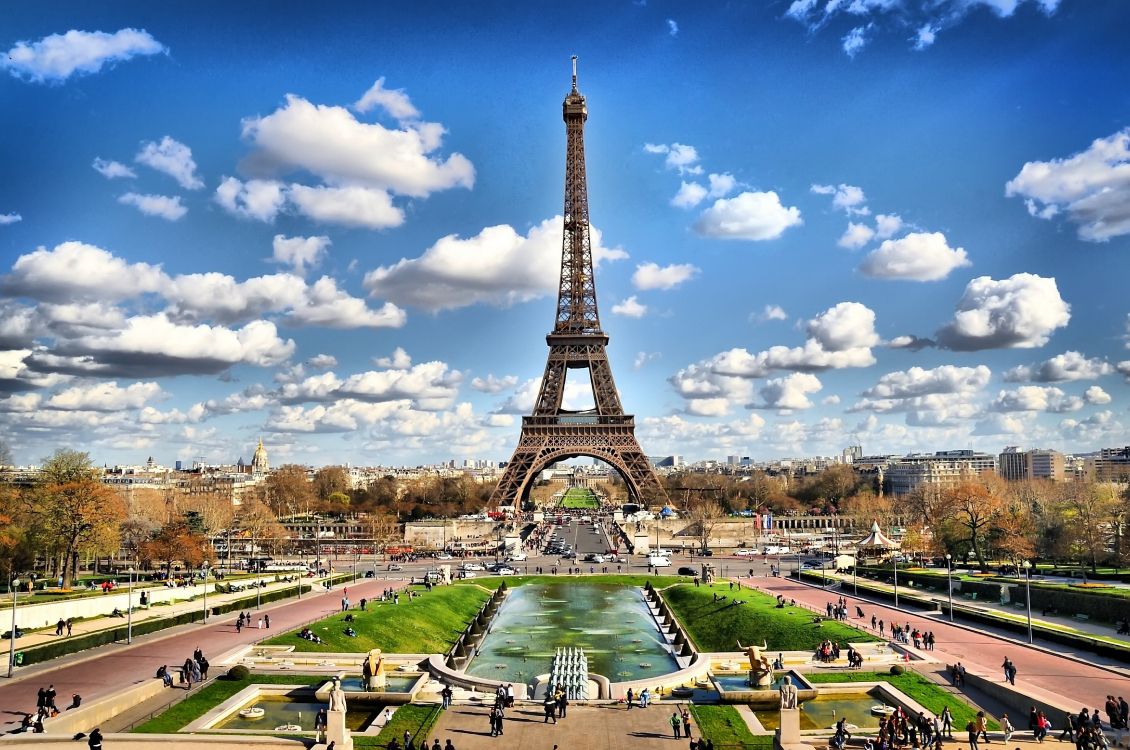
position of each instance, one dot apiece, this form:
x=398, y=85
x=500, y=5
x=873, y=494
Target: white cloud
x=856, y=236
x=844, y=326
x=112, y=169
x=398, y=360
x=299, y=252
x=106, y=396
x=830, y=400
x=886, y=225
x=1101, y=428
x=1061, y=368
x=491, y=384
x=255, y=199
x=1092, y=187
x=578, y=396
x=672, y=27
x=1123, y=368
x=58, y=56
x=770, y=312
x=789, y=392
x=498, y=267
x=1036, y=398
x=847, y=198
x=748, y=216
x=352, y=206
x=324, y=361
x=393, y=101
x=76, y=270
x=690, y=194
x=174, y=159
x=11, y=218
x=680, y=157
x=166, y=207
x=652, y=276
x=920, y=382
x=925, y=36
x=1002, y=424
x=426, y=385
x=856, y=39
x=721, y=184
x=1096, y=396
x=1020, y=312
x=328, y=141
x=630, y=308
x=919, y=256
x=642, y=358
x=328, y=306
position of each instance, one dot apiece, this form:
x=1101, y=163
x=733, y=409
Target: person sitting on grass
x=351, y=632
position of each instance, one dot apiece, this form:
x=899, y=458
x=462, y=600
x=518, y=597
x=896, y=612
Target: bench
x=1080, y=617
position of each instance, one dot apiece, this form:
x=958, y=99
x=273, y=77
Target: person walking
x=631, y=698
x=260, y=623
x=267, y=621
x=982, y=726
x=971, y=730
x=676, y=724
x=94, y=742
x=1006, y=727
x=947, y=723
x=549, y=707
x=493, y=721
x=445, y=695
x=686, y=717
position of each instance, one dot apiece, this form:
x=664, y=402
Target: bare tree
x=705, y=515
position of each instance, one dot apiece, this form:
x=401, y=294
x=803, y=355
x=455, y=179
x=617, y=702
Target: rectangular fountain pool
x=280, y=710
x=394, y=683
x=824, y=711
x=611, y=623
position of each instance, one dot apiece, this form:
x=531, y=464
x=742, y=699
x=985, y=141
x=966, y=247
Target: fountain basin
x=735, y=688
x=258, y=707
x=822, y=712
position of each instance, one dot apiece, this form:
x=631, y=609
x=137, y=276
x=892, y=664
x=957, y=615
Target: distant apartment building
x=1111, y=465
x=1016, y=465
x=942, y=469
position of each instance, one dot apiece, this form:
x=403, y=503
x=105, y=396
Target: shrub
x=895, y=669
x=239, y=672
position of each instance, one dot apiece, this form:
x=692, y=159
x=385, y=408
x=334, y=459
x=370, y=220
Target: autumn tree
x=257, y=523
x=973, y=508
x=176, y=541
x=705, y=515
x=330, y=480
x=288, y=491
x=72, y=511
x=1089, y=510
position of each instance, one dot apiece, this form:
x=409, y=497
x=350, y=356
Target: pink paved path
x=981, y=653
x=117, y=666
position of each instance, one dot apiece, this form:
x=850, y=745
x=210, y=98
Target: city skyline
x=897, y=224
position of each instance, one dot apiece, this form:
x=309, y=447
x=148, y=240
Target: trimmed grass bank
x=719, y=625
x=723, y=726
x=427, y=624
x=579, y=498
x=930, y=695
x=212, y=695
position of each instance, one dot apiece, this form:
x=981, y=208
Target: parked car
x=745, y=552
x=471, y=566
x=685, y=571
x=444, y=556
x=394, y=566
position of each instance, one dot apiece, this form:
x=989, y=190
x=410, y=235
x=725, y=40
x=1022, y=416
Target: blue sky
x=903, y=224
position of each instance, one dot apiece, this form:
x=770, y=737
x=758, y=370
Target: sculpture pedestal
x=788, y=736
x=336, y=731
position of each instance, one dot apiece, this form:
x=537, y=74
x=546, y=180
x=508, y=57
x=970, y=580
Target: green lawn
x=718, y=626
x=579, y=498
x=212, y=695
x=725, y=728
x=930, y=695
x=414, y=718
x=428, y=624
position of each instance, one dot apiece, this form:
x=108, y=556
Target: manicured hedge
x=906, y=596
x=74, y=644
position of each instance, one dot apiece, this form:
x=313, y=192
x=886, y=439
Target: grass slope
x=428, y=624
x=416, y=719
x=212, y=695
x=723, y=726
x=718, y=626
x=579, y=498
x=930, y=695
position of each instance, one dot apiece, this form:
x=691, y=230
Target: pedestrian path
x=82, y=627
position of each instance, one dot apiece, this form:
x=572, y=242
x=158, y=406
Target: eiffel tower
x=552, y=433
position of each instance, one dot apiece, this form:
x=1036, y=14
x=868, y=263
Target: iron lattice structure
x=553, y=433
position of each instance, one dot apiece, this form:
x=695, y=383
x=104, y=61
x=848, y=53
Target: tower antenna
x=574, y=72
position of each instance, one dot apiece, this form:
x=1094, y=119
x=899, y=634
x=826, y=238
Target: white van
x=659, y=561
x=516, y=557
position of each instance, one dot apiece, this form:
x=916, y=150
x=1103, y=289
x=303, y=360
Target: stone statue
x=788, y=694
x=337, y=697
x=373, y=671
x=760, y=671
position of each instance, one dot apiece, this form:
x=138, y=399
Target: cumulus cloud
x=57, y=57
x=770, y=312
x=107, y=396
x=1036, y=398
x=652, y=276
x=630, y=308
x=261, y=200
x=393, y=101
x=789, y=392
x=1061, y=368
x=299, y=253
x=1091, y=187
x=324, y=361
x=679, y=157
x=330, y=307
x=173, y=158
x=1001, y=424
x=11, y=218
x=848, y=198
x=166, y=207
x=920, y=382
x=642, y=358
x=491, y=384
x=855, y=236
x=76, y=270
x=577, y=397
x=886, y=225
x=1020, y=312
x=398, y=360
x=329, y=142
x=690, y=194
x=672, y=27
x=426, y=385
x=1101, y=428
x=498, y=267
x=354, y=205
x=112, y=169
x=748, y=216
x=919, y=256
x=1096, y=396
x=856, y=39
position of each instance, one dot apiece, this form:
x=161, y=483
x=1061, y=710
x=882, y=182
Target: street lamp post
x=14, y=587
x=1028, y=595
x=895, y=565
x=206, y=570
x=129, y=608
x=949, y=581
x=258, y=576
